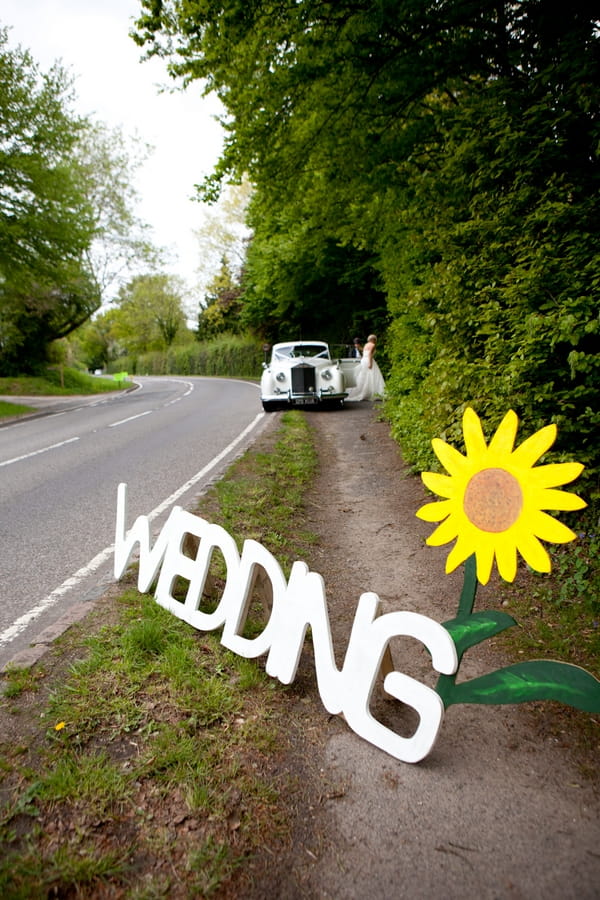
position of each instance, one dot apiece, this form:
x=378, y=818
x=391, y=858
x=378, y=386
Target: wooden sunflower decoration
x=494, y=498
x=494, y=504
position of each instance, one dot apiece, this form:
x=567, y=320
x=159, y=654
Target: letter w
x=139, y=533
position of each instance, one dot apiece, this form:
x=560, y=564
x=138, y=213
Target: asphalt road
x=167, y=439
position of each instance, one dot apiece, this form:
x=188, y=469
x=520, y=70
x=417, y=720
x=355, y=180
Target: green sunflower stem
x=469, y=591
x=446, y=684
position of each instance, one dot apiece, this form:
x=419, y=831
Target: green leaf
x=468, y=631
x=534, y=680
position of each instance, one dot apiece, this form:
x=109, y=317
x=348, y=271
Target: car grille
x=303, y=379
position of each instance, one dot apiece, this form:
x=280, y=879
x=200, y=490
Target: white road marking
x=19, y=625
x=207, y=468
x=27, y=618
x=131, y=418
x=8, y=462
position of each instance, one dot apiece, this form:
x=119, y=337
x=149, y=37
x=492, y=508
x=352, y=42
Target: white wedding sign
x=298, y=604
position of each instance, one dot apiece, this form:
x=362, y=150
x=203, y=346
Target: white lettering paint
x=297, y=604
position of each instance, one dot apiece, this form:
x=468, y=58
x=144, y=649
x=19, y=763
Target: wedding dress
x=369, y=381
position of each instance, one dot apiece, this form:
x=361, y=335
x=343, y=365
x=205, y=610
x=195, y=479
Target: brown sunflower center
x=493, y=500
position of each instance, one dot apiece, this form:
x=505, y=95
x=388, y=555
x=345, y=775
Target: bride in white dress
x=369, y=380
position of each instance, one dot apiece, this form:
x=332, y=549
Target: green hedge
x=229, y=355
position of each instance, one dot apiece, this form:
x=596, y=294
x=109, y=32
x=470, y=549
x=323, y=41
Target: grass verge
x=560, y=614
x=142, y=760
x=7, y=409
x=558, y=617
x=57, y=381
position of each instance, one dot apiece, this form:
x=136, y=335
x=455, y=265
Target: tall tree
x=95, y=342
x=149, y=313
x=224, y=234
x=222, y=306
x=46, y=219
x=121, y=242
x=67, y=227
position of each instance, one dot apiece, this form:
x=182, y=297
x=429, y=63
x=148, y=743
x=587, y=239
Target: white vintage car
x=302, y=373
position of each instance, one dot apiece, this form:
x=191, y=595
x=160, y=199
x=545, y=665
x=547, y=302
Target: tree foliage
x=121, y=244
x=224, y=234
x=46, y=219
x=222, y=305
x=443, y=155
x=95, y=342
x=66, y=222
x=148, y=314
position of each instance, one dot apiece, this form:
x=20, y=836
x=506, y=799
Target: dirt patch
x=500, y=807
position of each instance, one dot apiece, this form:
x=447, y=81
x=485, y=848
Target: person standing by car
x=357, y=348
x=369, y=380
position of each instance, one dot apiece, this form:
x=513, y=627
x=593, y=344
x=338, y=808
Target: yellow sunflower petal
x=535, y=446
x=534, y=553
x=555, y=474
x=459, y=553
x=504, y=439
x=485, y=559
x=439, y=484
x=435, y=512
x=453, y=461
x=473, y=433
x=559, y=500
x=506, y=559
x=445, y=532
x=547, y=528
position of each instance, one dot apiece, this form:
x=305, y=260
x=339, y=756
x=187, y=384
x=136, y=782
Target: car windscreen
x=293, y=351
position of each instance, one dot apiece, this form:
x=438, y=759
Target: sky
x=90, y=39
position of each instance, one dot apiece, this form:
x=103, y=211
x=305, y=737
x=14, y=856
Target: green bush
x=228, y=355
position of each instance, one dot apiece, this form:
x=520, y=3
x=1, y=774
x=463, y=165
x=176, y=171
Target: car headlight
x=280, y=376
x=326, y=374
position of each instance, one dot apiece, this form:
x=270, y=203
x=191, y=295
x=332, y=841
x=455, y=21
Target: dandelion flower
x=494, y=498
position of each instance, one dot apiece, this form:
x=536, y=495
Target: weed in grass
x=199, y=796
x=142, y=639
x=212, y=865
x=151, y=888
x=248, y=674
x=194, y=765
x=171, y=755
x=91, y=702
x=18, y=680
x=24, y=803
x=67, y=872
x=215, y=780
x=259, y=734
x=180, y=665
x=215, y=699
x=88, y=779
x=77, y=866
